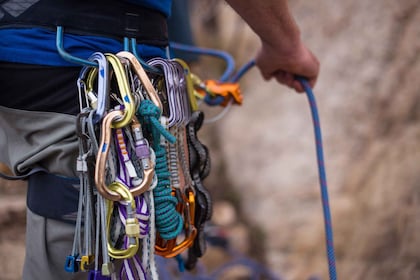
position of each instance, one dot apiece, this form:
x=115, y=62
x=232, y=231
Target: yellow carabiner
x=199, y=87
x=190, y=84
x=132, y=228
x=101, y=158
x=85, y=261
x=124, y=89
x=138, y=69
x=90, y=88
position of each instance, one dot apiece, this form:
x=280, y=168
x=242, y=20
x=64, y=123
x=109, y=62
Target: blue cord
x=322, y=179
x=230, y=62
x=319, y=151
x=229, y=76
x=242, y=71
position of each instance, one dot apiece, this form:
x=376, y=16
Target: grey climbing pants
x=30, y=139
x=48, y=242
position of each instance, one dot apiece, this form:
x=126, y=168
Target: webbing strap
x=110, y=18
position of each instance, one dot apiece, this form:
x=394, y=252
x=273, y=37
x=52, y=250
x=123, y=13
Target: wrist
x=287, y=42
x=288, y=49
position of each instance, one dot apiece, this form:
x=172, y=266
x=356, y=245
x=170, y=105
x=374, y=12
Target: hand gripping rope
x=228, y=75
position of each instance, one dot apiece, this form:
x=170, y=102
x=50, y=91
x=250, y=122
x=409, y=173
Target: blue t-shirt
x=38, y=45
x=163, y=6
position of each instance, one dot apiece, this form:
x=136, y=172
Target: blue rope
x=169, y=222
x=242, y=71
x=230, y=62
x=322, y=179
x=229, y=76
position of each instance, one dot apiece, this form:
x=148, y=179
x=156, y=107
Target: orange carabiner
x=170, y=248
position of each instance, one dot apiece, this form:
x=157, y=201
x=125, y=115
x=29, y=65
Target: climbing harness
x=142, y=165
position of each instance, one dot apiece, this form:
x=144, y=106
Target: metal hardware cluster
x=141, y=167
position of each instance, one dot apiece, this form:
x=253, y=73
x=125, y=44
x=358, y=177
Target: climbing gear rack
x=141, y=167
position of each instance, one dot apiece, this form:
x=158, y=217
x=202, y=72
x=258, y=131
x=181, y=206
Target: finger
x=288, y=80
x=298, y=86
x=312, y=82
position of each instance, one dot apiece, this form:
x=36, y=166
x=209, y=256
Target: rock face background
x=368, y=95
x=264, y=162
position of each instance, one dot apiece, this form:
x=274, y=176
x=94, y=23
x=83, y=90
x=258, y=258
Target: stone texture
x=368, y=97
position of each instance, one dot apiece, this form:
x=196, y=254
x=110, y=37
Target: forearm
x=282, y=54
x=271, y=21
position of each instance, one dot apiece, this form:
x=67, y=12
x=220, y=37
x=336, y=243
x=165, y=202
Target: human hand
x=284, y=64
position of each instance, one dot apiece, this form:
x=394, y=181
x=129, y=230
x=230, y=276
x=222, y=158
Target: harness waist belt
x=109, y=18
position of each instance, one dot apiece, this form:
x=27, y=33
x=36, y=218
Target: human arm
x=282, y=54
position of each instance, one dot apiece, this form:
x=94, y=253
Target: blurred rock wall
x=368, y=95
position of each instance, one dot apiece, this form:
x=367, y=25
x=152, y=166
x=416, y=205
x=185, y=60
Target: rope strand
x=322, y=179
x=169, y=222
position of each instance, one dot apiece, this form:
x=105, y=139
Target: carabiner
x=102, y=95
x=170, y=248
x=141, y=74
x=124, y=90
x=103, y=154
x=132, y=228
x=189, y=83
